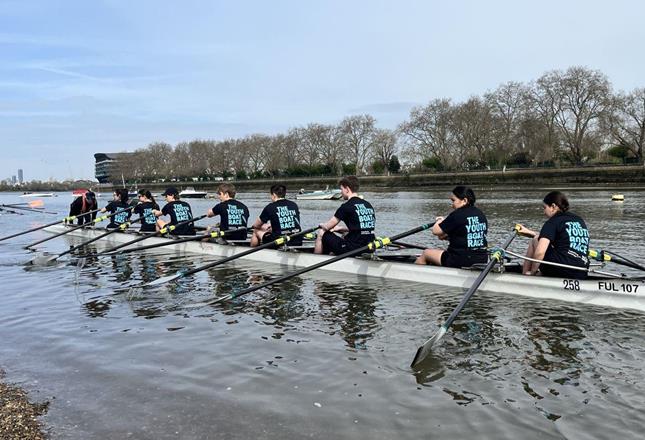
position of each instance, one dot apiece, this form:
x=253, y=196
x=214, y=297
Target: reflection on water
x=322, y=355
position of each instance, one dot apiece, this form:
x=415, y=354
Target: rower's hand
x=525, y=232
x=438, y=220
x=322, y=227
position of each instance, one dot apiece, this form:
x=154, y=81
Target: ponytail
x=464, y=192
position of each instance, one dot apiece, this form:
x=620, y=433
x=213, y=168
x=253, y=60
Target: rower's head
x=278, y=191
x=555, y=202
x=145, y=196
x=348, y=186
x=462, y=196
x=121, y=195
x=171, y=194
x=226, y=191
x=89, y=197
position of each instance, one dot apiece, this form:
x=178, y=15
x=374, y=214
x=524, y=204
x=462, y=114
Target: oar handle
x=373, y=245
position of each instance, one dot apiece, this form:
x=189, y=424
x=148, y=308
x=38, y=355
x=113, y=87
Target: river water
x=323, y=355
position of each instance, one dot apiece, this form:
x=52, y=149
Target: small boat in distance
x=28, y=194
x=325, y=194
x=190, y=193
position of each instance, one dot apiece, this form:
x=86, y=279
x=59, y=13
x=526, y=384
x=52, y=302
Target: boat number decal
x=571, y=284
x=613, y=287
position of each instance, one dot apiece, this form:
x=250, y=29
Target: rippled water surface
x=323, y=355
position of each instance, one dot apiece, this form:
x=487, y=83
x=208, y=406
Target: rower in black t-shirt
x=84, y=203
x=178, y=211
x=232, y=213
x=564, y=239
x=465, y=229
x=145, y=209
x=358, y=216
x=118, y=204
x=278, y=218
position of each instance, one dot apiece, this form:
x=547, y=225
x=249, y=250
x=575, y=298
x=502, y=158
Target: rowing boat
x=609, y=292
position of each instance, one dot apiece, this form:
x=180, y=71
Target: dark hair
x=350, y=182
x=227, y=188
x=558, y=199
x=148, y=195
x=279, y=190
x=122, y=194
x=464, y=192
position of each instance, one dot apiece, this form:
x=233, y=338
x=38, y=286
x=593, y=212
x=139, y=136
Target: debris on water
x=18, y=416
x=317, y=405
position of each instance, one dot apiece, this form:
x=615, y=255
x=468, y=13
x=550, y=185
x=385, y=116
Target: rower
x=278, y=218
x=178, y=210
x=119, y=203
x=233, y=214
x=82, y=204
x=145, y=208
x=563, y=239
x=358, y=216
x=465, y=229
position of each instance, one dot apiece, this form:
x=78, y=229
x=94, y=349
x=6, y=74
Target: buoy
x=618, y=197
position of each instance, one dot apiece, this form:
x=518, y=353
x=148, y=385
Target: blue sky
x=79, y=77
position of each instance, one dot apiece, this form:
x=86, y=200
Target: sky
x=80, y=77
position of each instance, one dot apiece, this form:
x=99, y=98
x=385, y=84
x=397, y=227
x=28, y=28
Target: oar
x=24, y=208
x=372, y=246
x=184, y=273
x=96, y=220
x=601, y=255
x=65, y=220
x=496, y=257
x=165, y=230
x=214, y=234
x=4, y=208
x=121, y=227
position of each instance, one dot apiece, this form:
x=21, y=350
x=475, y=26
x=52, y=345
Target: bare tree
x=626, y=121
x=357, y=137
x=475, y=133
x=507, y=104
x=584, y=98
x=427, y=133
x=384, y=147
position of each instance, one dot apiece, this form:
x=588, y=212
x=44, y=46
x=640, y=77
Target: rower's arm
x=257, y=224
x=436, y=229
x=210, y=213
x=331, y=224
x=526, y=232
x=540, y=250
x=157, y=213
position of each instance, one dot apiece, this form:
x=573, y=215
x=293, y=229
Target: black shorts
x=336, y=245
x=457, y=259
x=236, y=235
x=270, y=236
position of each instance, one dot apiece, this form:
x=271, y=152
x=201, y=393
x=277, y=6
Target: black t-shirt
x=358, y=215
x=569, y=245
x=466, y=228
x=284, y=216
x=179, y=211
x=148, y=218
x=233, y=215
x=121, y=217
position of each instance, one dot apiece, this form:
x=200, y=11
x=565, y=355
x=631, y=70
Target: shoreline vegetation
x=19, y=416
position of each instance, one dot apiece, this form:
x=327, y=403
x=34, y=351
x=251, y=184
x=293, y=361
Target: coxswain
x=120, y=207
x=358, y=216
x=465, y=229
x=145, y=209
x=82, y=204
x=233, y=214
x=178, y=211
x=278, y=218
x=563, y=239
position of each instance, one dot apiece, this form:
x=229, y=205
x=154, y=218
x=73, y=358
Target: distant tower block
x=20, y=177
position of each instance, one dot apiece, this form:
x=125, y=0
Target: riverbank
x=579, y=177
x=18, y=416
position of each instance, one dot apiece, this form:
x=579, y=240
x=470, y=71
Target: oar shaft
x=367, y=248
x=214, y=234
x=95, y=221
x=121, y=227
x=162, y=231
x=70, y=218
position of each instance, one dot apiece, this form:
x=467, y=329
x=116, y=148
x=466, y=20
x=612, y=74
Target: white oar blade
x=426, y=348
x=44, y=260
x=163, y=280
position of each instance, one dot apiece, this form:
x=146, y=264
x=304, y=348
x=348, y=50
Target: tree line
x=569, y=117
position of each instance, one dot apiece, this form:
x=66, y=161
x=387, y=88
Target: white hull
x=38, y=195
x=319, y=195
x=620, y=293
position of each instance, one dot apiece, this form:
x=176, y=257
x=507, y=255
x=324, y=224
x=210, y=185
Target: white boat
x=38, y=195
x=191, y=193
x=325, y=194
x=607, y=292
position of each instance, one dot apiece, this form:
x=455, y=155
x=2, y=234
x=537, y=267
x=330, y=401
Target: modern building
x=106, y=168
x=20, y=177
x=13, y=179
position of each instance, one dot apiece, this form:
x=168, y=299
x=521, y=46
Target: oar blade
x=426, y=348
x=44, y=260
x=163, y=280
